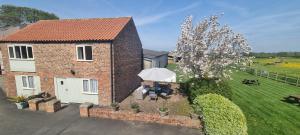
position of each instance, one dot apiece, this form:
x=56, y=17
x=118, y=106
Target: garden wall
x=105, y=112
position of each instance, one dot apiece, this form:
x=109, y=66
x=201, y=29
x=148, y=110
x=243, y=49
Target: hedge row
x=220, y=115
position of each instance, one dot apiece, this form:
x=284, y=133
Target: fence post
x=276, y=75
x=268, y=75
x=285, y=78
x=297, y=81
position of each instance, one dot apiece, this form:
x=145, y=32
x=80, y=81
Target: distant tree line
x=15, y=16
x=277, y=54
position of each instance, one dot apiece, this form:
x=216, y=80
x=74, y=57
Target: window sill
x=85, y=60
x=28, y=88
x=21, y=59
x=88, y=93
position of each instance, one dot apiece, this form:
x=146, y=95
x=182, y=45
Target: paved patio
x=177, y=104
x=68, y=122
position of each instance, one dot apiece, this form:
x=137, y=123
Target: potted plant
x=115, y=106
x=20, y=101
x=135, y=107
x=163, y=111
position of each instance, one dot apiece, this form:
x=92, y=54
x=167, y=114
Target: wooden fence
x=273, y=76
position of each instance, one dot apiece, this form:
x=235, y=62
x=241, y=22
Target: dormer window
x=20, y=52
x=84, y=53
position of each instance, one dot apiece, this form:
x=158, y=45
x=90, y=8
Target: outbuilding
x=155, y=59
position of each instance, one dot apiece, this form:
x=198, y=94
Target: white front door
x=62, y=90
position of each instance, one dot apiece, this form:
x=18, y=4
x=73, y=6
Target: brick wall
x=56, y=60
x=127, y=62
x=175, y=120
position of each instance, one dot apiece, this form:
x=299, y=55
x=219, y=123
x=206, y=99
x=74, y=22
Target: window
x=18, y=51
x=80, y=53
x=28, y=82
x=94, y=86
x=90, y=86
x=29, y=50
x=84, y=53
x=21, y=52
x=24, y=52
x=86, y=86
x=11, y=52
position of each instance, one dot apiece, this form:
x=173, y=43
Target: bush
x=200, y=87
x=18, y=99
x=220, y=115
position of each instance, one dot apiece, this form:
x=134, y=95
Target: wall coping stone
x=86, y=105
x=36, y=100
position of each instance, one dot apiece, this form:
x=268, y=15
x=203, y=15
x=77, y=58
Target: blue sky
x=269, y=25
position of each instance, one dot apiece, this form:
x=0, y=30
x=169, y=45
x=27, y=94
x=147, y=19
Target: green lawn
x=265, y=112
x=288, y=66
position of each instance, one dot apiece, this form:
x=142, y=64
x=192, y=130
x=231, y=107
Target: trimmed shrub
x=200, y=87
x=220, y=115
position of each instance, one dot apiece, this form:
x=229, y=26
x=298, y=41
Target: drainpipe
x=112, y=72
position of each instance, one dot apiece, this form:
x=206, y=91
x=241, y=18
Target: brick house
x=76, y=60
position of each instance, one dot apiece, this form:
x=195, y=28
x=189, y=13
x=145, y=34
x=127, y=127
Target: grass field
x=288, y=66
x=265, y=112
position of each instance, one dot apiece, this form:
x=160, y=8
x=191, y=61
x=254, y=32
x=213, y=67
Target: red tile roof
x=98, y=29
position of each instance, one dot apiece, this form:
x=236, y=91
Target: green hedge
x=200, y=87
x=220, y=115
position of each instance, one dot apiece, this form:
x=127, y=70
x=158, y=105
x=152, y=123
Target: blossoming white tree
x=207, y=49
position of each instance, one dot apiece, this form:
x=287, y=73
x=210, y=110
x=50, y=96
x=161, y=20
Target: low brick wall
x=175, y=120
x=38, y=104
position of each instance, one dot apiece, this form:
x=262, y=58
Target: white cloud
x=155, y=18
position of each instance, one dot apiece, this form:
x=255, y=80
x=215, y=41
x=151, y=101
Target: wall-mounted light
x=72, y=72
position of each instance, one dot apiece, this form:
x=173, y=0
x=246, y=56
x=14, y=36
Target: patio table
x=156, y=89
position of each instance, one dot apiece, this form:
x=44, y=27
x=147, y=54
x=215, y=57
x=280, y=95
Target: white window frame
x=89, y=89
x=27, y=82
x=14, y=51
x=84, y=56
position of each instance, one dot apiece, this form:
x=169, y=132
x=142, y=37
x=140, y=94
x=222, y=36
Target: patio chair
x=153, y=95
x=141, y=92
x=165, y=93
x=157, y=88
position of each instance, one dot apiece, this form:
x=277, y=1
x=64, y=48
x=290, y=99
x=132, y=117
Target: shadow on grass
x=291, y=101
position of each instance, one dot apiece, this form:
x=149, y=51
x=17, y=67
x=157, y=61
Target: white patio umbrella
x=158, y=75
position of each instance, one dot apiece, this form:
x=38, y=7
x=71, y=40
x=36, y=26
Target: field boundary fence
x=272, y=75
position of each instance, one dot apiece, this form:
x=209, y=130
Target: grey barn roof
x=152, y=54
